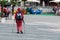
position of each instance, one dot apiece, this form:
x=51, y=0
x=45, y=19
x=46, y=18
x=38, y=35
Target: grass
x=44, y=14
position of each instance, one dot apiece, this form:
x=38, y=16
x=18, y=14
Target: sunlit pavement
x=36, y=28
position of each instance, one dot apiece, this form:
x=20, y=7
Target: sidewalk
x=36, y=18
x=4, y=21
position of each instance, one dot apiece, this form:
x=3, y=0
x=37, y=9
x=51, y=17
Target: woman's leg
x=20, y=26
x=17, y=24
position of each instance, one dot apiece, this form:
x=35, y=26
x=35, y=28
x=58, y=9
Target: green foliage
x=13, y=2
x=3, y=2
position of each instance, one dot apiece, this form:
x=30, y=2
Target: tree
x=13, y=2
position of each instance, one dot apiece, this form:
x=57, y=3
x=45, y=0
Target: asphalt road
x=36, y=28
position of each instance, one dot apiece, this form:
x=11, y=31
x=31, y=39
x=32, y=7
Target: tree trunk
x=12, y=2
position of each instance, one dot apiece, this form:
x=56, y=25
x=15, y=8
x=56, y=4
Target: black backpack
x=19, y=16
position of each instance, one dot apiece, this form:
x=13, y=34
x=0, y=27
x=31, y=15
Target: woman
x=19, y=22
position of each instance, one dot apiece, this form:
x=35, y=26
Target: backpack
x=19, y=16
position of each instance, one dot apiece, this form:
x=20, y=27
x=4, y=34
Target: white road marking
x=43, y=23
x=50, y=30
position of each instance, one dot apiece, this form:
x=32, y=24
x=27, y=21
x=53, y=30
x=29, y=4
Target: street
x=36, y=28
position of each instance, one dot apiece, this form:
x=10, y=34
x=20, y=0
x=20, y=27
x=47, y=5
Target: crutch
x=24, y=25
x=13, y=23
x=12, y=27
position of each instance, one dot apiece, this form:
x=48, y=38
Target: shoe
x=21, y=32
x=17, y=32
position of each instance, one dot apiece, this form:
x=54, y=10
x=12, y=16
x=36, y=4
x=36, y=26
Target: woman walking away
x=19, y=19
